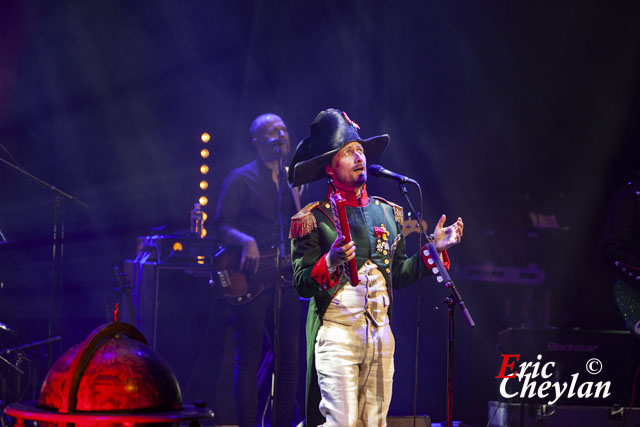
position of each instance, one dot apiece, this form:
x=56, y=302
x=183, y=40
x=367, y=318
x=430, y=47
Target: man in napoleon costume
x=350, y=345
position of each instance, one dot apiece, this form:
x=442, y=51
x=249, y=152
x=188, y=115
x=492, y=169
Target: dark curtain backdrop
x=498, y=108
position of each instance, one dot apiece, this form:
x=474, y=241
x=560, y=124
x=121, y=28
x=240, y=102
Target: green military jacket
x=313, y=232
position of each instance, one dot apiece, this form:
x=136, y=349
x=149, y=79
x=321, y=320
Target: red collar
x=351, y=198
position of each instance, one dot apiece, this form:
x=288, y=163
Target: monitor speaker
x=407, y=421
x=528, y=415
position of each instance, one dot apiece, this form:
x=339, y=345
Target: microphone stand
x=58, y=240
x=278, y=296
x=23, y=347
x=450, y=301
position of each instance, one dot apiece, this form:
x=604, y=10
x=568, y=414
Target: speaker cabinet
x=593, y=367
x=177, y=312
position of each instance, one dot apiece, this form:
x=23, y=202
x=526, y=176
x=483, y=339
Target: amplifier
x=566, y=366
x=177, y=249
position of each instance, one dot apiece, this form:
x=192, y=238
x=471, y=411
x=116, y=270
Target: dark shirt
x=249, y=202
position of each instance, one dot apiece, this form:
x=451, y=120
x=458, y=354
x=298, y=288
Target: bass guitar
x=237, y=286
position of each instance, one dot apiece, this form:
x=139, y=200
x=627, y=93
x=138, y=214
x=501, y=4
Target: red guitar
x=342, y=227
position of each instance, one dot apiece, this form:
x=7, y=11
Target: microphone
x=380, y=172
x=276, y=141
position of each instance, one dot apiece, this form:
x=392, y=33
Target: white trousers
x=355, y=373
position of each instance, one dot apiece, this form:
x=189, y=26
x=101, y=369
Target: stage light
x=177, y=246
x=205, y=137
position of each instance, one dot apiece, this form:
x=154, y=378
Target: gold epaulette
x=303, y=222
x=398, y=211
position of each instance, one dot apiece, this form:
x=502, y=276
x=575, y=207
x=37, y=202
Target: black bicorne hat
x=331, y=130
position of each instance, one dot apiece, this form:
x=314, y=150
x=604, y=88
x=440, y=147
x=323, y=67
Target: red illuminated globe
x=111, y=378
x=123, y=374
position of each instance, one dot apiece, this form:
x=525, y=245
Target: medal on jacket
x=382, y=245
x=342, y=227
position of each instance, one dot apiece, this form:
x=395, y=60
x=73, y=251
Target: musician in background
x=349, y=341
x=247, y=217
x=621, y=250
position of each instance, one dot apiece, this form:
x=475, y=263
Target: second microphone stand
x=58, y=242
x=280, y=258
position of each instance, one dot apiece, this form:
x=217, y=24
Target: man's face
x=348, y=167
x=270, y=134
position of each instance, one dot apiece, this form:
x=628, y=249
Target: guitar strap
x=295, y=192
x=296, y=198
